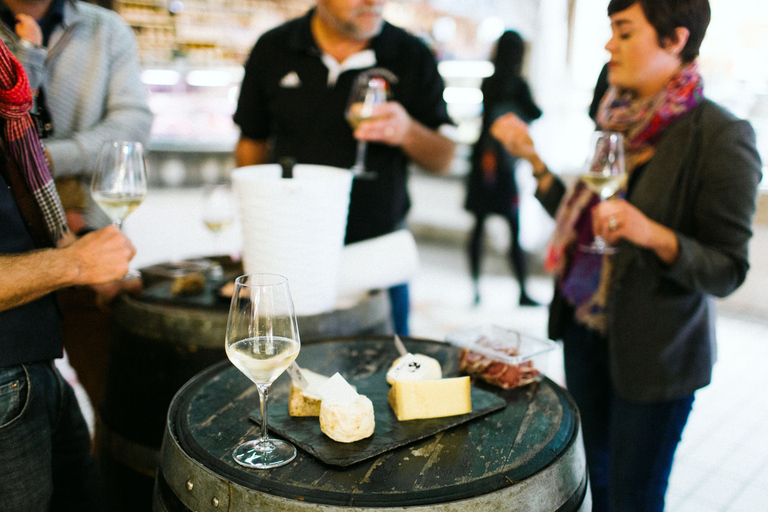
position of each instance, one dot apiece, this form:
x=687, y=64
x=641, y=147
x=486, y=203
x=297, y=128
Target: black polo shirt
x=285, y=98
x=32, y=332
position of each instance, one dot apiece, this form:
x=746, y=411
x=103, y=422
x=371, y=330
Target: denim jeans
x=45, y=459
x=400, y=301
x=629, y=445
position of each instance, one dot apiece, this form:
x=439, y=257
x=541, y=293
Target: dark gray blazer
x=702, y=183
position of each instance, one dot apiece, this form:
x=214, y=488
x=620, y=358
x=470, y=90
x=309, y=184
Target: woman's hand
x=512, y=132
x=616, y=219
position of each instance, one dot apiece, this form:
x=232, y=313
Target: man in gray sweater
x=84, y=60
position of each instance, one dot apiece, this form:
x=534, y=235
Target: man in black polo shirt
x=294, y=94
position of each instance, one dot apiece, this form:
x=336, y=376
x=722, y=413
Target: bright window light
x=209, y=78
x=160, y=77
x=465, y=68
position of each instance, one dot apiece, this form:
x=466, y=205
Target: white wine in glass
x=119, y=184
x=217, y=210
x=262, y=340
x=605, y=174
x=368, y=92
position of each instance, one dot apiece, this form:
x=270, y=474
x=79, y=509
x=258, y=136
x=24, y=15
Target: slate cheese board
x=305, y=433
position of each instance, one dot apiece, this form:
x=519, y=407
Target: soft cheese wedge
x=306, y=402
x=414, y=367
x=345, y=415
x=424, y=399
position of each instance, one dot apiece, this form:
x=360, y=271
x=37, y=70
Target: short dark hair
x=666, y=15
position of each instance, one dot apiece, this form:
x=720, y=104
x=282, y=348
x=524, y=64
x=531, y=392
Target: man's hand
x=390, y=124
x=106, y=292
x=101, y=256
x=28, y=29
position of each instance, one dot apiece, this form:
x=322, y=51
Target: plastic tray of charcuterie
x=501, y=357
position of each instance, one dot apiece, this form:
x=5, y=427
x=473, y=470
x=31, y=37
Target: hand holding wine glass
x=604, y=174
x=367, y=93
x=119, y=184
x=262, y=340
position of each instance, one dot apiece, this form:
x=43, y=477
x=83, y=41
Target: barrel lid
x=209, y=417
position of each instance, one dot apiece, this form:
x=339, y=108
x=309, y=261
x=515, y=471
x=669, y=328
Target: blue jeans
x=400, y=301
x=45, y=458
x=629, y=445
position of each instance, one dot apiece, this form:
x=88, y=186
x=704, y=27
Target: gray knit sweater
x=92, y=79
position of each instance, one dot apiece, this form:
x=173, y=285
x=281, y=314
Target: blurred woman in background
x=491, y=185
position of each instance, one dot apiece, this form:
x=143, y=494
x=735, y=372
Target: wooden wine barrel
x=527, y=456
x=158, y=345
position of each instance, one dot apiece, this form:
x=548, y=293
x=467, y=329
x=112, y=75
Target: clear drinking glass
x=262, y=340
x=119, y=184
x=217, y=209
x=368, y=91
x=604, y=173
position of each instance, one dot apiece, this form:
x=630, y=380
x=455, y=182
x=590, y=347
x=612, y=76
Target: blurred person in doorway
x=44, y=440
x=638, y=326
x=491, y=184
x=294, y=96
x=83, y=66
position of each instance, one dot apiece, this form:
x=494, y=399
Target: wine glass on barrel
x=262, y=340
x=119, y=184
x=604, y=173
x=217, y=210
x=368, y=92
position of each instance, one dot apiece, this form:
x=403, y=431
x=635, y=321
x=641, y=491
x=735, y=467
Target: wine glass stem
x=360, y=160
x=263, y=396
x=118, y=223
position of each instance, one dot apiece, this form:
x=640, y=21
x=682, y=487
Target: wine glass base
x=252, y=454
x=598, y=248
x=361, y=174
x=131, y=274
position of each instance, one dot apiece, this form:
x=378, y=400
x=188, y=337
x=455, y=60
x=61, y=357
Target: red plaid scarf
x=21, y=141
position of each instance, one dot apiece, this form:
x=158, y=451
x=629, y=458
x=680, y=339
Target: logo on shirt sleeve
x=290, y=80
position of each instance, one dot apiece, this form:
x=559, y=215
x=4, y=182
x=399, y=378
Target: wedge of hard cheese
x=430, y=398
x=306, y=402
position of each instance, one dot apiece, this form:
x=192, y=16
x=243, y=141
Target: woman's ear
x=675, y=45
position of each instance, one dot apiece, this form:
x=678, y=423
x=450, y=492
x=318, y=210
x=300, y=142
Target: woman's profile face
x=638, y=62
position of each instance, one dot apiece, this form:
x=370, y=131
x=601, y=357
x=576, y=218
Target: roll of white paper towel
x=377, y=263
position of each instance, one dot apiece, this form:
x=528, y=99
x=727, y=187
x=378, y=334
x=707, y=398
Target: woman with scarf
x=638, y=325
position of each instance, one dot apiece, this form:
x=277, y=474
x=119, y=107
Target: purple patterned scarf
x=584, y=278
x=20, y=138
